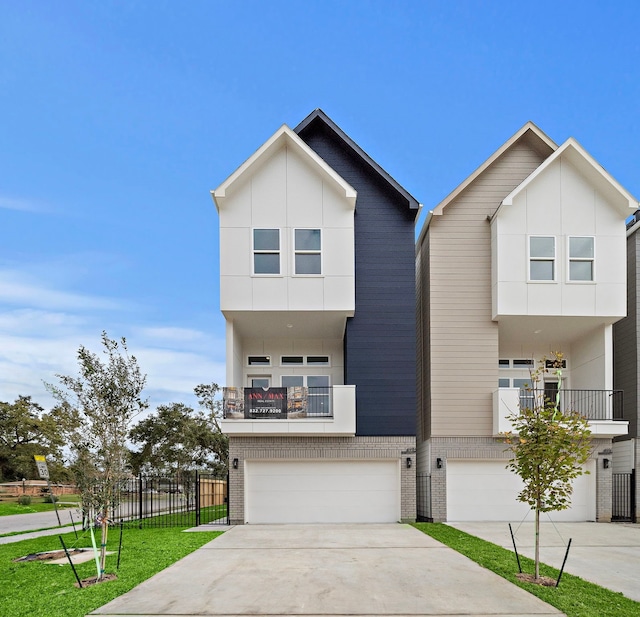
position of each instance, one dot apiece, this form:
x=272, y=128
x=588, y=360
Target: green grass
x=182, y=519
x=575, y=597
x=37, y=588
x=9, y=505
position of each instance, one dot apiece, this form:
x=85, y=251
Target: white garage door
x=322, y=491
x=486, y=491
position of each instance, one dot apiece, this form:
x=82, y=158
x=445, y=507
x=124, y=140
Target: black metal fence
x=187, y=499
x=423, y=498
x=592, y=404
x=624, y=497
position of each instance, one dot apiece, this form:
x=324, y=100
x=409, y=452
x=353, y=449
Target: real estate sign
x=265, y=403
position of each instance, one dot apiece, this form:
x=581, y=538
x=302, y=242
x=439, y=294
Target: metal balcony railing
x=592, y=404
x=293, y=403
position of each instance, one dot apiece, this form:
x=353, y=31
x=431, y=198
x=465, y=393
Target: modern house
x=626, y=362
x=317, y=289
x=525, y=257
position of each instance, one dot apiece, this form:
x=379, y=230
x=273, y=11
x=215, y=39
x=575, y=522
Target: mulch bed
x=545, y=581
x=87, y=582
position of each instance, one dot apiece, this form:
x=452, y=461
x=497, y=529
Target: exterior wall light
x=439, y=463
x=235, y=463
x=605, y=463
x=408, y=462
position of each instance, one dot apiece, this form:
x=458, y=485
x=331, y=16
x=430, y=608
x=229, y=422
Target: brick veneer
x=334, y=448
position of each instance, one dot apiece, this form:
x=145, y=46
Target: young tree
x=549, y=445
x=216, y=441
x=107, y=396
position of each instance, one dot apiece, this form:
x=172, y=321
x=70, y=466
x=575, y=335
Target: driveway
x=607, y=554
x=326, y=570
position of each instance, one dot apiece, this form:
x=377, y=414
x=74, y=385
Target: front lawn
x=575, y=597
x=37, y=588
x=10, y=505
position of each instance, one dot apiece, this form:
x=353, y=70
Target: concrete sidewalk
x=360, y=570
x=607, y=554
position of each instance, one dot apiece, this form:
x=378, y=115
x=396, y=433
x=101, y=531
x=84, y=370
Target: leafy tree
x=107, y=396
x=26, y=430
x=549, y=446
x=178, y=438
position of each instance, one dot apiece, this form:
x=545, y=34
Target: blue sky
x=118, y=118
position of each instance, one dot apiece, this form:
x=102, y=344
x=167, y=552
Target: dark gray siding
x=625, y=340
x=380, y=340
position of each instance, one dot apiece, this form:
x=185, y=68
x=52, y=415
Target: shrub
x=24, y=500
x=50, y=499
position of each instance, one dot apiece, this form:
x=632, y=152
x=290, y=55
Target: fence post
x=633, y=496
x=227, y=500
x=140, y=498
x=197, y=485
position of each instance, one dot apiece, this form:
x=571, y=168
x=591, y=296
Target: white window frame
x=255, y=251
x=297, y=251
x=553, y=260
x=250, y=379
x=571, y=259
x=256, y=355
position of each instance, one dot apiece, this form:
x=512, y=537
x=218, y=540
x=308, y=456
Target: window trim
x=592, y=260
x=297, y=252
x=255, y=251
x=553, y=260
x=266, y=356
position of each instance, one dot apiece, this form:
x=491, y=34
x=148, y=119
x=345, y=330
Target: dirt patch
x=545, y=581
x=78, y=555
x=87, y=582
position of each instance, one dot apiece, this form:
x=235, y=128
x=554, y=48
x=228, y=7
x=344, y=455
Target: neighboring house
x=318, y=291
x=626, y=448
x=525, y=257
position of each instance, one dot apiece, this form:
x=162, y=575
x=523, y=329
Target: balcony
x=603, y=408
x=290, y=411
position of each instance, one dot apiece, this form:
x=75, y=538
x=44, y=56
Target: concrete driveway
x=326, y=570
x=607, y=554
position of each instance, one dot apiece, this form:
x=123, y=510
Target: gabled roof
x=284, y=136
x=528, y=130
x=573, y=152
x=319, y=116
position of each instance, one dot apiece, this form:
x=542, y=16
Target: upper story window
x=266, y=251
x=581, y=258
x=259, y=361
x=308, y=251
x=542, y=258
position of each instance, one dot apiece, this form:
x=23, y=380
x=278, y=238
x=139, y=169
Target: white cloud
x=23, y=289
x=23, y=205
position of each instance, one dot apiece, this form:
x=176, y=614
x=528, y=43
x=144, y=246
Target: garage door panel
x=322, y=491
x=487, y=491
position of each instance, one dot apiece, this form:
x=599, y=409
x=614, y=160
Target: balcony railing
x=277, y=403
x=592, y=404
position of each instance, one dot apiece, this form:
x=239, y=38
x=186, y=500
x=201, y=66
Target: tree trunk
x=537, y=549
x=103, y=543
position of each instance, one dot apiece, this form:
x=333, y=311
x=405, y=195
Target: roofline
x=413, y=203
x=569, y=145
x=529, y=126
x=284, y=134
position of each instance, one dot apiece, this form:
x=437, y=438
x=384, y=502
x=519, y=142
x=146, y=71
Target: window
x=581, y=258
x=542, y=258
x=504, y=363
x=259, y=382
x=503, y=382
x=317, y=360
x=307, y=247
x=259, y=361
x=527, y=396
x=292, y=381
x=319, y=395
x=266, y=251
x=292, y=360
x=523, y=364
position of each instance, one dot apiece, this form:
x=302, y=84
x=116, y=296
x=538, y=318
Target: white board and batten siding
x=487, y=491
x=322, y=491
